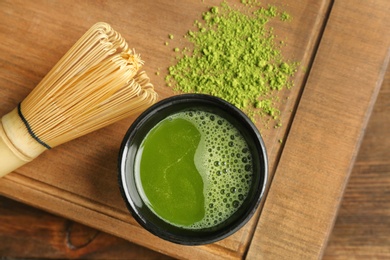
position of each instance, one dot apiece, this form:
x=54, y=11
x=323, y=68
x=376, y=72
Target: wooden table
x=362, y=228
x=344, y=48
x=361, y=231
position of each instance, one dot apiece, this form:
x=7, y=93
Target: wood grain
x=69, y=180
x=362, y=229
x=320, y=150
x=78, y=179
x=26, y=232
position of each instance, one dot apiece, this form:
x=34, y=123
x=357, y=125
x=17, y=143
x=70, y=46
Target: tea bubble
x=223, y=187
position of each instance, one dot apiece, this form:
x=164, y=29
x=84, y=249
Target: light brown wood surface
x=326, y=133
x=78, y=180
x=362, y=229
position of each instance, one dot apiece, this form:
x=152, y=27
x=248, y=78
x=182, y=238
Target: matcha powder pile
x=234, y=57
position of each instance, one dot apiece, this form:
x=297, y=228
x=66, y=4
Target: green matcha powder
x=235, y=57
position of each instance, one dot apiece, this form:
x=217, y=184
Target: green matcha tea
x=194, y=169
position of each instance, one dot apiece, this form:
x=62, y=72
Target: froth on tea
x=193, y=169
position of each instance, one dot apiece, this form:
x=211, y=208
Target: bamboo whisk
x=96, y=83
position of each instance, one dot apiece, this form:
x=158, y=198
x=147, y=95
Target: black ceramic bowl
x=133, y=139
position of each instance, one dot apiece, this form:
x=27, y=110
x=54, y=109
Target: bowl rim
x=142, y=119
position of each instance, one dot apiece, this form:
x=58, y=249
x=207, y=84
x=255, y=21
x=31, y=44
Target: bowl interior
x=136, y=134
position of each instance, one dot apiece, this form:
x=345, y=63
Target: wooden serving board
x=343, y=48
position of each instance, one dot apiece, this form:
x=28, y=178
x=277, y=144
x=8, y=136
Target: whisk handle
x=17, y=146
x=9, y=160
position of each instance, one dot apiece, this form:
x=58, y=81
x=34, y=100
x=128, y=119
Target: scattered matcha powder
x=234, y=57
x=285, y=16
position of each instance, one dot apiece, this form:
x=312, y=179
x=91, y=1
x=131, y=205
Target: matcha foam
x=223, y=160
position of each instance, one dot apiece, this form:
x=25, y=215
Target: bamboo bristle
x=96, y=83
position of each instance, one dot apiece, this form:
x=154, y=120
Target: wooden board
x=78, y=179
x=326, y=133
x=362, y=228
